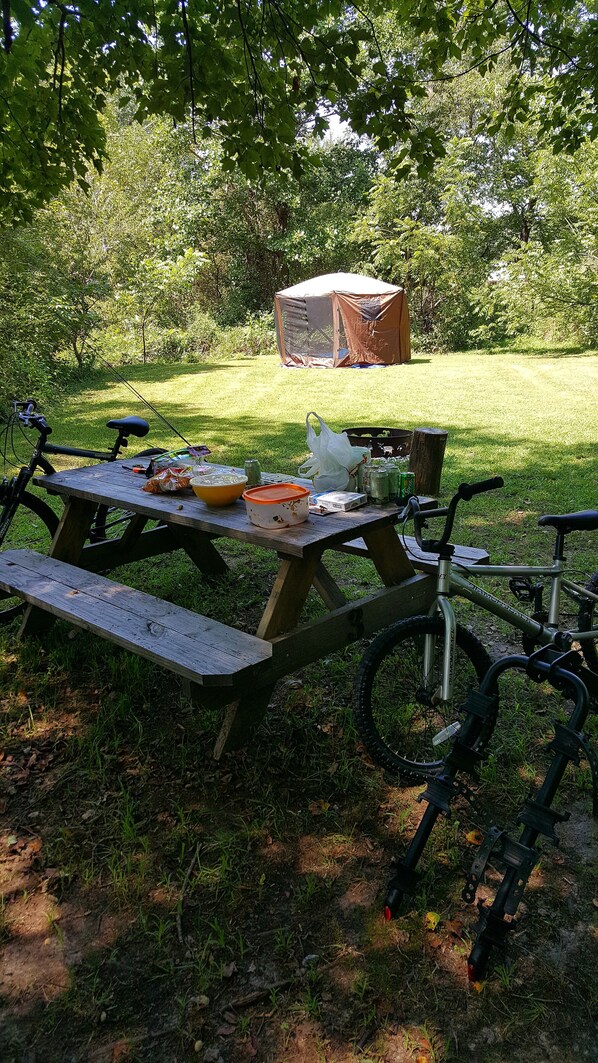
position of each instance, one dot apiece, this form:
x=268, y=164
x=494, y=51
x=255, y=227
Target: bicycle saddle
x=585, y=520
x=129, y=426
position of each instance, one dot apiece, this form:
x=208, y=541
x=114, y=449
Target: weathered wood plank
x=241, y=718
x=111, y=484
x=422, y=561
x=99, y=557
x=199, y=548
x=73, y=529
x=354, y=621
x=192, y=645
x=291, y=587
x=386, y=551
x=328, y=588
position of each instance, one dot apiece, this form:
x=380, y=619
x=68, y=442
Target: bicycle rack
x=441, y=790
x=537, y=817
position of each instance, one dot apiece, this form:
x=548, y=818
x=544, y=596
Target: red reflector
x=471, y=972
x=387, y=914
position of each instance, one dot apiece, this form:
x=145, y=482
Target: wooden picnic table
x=236, y=669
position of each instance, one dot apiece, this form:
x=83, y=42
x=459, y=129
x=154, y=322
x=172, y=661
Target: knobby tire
x=390, y=711
x=33, y=527
x=587, y=619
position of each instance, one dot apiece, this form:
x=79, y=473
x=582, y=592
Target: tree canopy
x=257, y=74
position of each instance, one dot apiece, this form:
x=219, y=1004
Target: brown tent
x=342, y=319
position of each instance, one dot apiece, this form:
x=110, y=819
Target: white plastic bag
x=333, y=460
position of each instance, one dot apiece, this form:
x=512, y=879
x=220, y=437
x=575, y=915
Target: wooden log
x=426, y=457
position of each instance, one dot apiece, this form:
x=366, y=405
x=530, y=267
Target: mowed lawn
x=530, y=416
x=159, y=907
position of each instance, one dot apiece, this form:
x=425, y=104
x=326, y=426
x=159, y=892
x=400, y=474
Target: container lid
x=270, y=493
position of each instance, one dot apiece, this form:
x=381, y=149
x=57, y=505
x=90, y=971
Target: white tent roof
x=352, y=283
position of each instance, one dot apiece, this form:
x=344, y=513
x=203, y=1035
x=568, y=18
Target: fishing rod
x=145, y=401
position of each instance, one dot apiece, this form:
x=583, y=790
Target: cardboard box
x=341, y=500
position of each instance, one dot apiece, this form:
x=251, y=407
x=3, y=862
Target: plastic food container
x=218, y=488
x=277, y=505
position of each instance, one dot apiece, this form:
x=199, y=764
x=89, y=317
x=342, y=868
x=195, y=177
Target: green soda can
x=393, y=480
x=365, y=472
x=406, y=485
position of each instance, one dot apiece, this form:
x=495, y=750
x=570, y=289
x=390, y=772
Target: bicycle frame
x=452, y=581
x=12, y=490
x=19, y=483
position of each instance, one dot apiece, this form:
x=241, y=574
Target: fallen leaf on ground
x=474, y=837
x=454, y=927
x=431, y=920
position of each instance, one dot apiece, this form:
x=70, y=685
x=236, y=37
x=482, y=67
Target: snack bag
x=168, y=481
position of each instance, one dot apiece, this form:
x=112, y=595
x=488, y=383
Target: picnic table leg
x=282, y=612
x=387, y=553
x=198, y=546
x=328, y=588
x=67, y=545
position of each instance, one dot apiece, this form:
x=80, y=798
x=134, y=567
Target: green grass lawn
x=530, y=416
x=158, y=907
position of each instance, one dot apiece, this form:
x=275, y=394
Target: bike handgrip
x=467, y=491
x=41, y=424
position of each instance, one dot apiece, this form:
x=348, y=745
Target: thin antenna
x=145, y=401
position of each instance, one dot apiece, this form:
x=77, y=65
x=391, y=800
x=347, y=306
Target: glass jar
x=253, y=472
x=379, y=488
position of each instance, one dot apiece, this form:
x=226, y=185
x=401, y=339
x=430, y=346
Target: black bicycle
x=26, y=520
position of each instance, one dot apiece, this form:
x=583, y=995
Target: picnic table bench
x=185, y=642
x=236, y=669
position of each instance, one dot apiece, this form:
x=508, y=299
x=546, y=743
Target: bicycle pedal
x=522, y=588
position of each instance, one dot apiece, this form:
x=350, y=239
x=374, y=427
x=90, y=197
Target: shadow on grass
x=238, y=905
x=556, y=351
x=219, y=881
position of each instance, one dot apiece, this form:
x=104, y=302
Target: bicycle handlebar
x=465, y=492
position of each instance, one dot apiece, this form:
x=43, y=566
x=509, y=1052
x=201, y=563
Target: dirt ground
x=161, y=907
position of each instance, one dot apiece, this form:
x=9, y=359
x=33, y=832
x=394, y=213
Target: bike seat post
x=559, y=547
x=120, y=443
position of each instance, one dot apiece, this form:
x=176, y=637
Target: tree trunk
x=425, y=459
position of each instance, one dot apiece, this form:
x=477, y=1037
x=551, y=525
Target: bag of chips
x=168, y=481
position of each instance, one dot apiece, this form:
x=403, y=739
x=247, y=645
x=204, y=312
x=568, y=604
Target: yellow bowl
x=219, y=489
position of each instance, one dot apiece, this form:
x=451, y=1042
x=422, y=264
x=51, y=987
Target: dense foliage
x=256, y=76
x=175, y=246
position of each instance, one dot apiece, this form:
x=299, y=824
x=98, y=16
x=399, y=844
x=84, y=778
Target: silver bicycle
x=416, y=674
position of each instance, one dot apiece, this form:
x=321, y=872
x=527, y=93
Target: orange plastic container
x=277, y=505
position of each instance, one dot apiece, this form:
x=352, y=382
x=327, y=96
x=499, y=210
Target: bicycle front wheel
x=396, y=707
x=32, y=528
x=588, y=619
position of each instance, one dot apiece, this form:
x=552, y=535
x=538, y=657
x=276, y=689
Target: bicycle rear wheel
x=111, y=522
x=588, y=619
x=396, y=709
x=32, y=528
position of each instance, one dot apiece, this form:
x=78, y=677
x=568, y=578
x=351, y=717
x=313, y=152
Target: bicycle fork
x=444, y=690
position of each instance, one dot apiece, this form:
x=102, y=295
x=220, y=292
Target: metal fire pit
x=381, y=441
